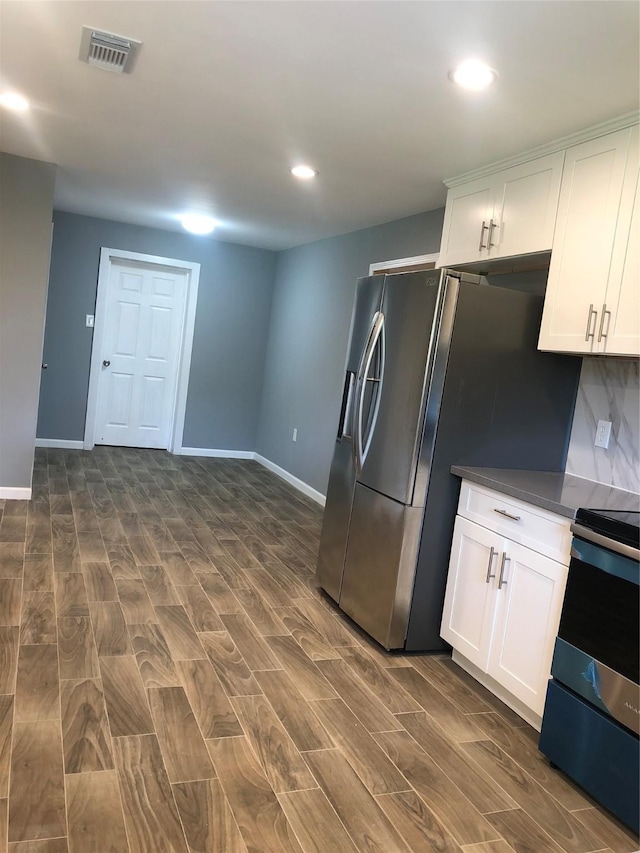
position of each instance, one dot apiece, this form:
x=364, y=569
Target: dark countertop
x=553, y=490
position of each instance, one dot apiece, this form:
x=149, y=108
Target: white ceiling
x=225, y=96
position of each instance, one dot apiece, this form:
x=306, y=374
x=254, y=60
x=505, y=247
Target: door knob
x=44, y=365
x=106, y=362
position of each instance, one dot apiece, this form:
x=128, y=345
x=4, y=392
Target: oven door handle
x=605, y=542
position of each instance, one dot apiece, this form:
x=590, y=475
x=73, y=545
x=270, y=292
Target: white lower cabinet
x=470, y=599
x=502, y=611
x=528, y=610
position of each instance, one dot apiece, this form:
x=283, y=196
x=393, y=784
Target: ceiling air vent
x=108, y=51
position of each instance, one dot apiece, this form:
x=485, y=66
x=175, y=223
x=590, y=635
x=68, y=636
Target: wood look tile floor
x=172, y=679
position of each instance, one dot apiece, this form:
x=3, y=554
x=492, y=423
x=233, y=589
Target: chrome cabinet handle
x=590, y=334
x=601, y=333
x=492, y=553
x=482, y=244
x=106, y=362
x=507, y=514
x=492, y=225
x=503, y=565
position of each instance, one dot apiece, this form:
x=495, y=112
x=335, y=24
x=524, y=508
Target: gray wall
x=308, y=336
x=26, y=201
x=230, y=338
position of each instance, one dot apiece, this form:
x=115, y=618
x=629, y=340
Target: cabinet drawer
x=544, y=532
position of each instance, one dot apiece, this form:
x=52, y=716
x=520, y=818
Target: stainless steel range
x=591, y=719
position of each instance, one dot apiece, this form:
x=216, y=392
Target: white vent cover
x=107, y=50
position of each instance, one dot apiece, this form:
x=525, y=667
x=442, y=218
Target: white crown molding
x=10, y=493
x=300, y=485
x=217, y=454
x=62, y=443
x=585, y=135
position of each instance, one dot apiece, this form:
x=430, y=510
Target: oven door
x=597, y=650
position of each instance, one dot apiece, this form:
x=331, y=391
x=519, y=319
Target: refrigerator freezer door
x=337, y=515
x=379, y=565
x=410, y=307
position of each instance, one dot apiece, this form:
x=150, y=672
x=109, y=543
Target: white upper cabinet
x=466, y=220
x=622, y=327
x=511, y=212
x=592, y=304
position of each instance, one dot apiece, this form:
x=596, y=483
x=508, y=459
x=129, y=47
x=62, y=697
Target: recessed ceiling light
x=304, y=172
x=474, y=75
x=198, y=224
x=14, y=101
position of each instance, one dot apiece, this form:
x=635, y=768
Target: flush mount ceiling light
x=14, y=101
x=474, y=75
x=197, y=224
x=303, y=172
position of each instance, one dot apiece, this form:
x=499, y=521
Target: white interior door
x=141, y=346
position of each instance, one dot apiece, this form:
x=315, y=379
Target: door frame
x=186, y=344
x=398, y=263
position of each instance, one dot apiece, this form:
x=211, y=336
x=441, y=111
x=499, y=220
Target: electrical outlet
x=89, y=321
x=603, y=434
x=295, y=434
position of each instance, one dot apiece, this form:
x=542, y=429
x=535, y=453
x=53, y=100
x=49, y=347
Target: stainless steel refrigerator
x=442, y=369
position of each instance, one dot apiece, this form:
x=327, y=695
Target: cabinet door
x=620, y=334
x=527, y=619
x=469, y=208
x=590, y=196
x=526, y=206
x=470, y=599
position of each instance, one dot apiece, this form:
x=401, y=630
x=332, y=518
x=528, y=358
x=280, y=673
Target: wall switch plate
x=89, y=322
x=603, y=434
x=295, y=434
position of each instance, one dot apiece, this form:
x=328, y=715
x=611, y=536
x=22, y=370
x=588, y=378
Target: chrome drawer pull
x=492, y=225
x=501, y=581
x=507, y=514
x=493, y=553
x=606, y=315
x=594, y=314
x=482, y=244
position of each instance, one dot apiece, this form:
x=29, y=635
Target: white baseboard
x=307, y=490
x=62, y=443
x=300, y=485
x=219, y=454
x=11, y=493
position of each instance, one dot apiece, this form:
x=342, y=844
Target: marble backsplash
x=609, y=390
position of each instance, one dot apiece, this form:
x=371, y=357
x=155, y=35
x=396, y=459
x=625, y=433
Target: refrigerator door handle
x=345, y=425
x=356, y=438
x=361, y=448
